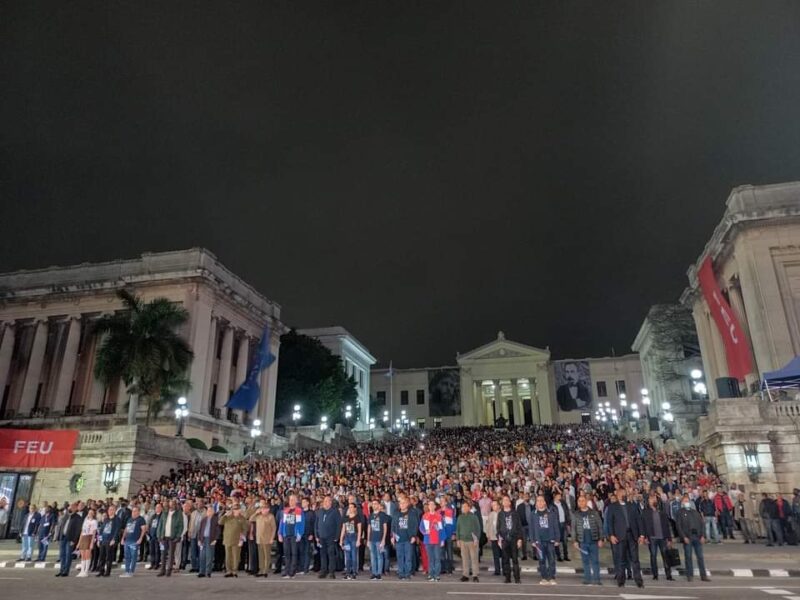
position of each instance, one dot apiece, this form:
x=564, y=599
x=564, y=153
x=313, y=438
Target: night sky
x=422, y=173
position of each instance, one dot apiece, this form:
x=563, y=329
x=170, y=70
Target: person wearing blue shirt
x=378, y=533
x=109, y=536
x=350, y=540
x=404, y=535
x=134, y=534
x=45, y=532
x=546, y=534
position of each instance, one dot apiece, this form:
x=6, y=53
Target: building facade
x=507, y=380
x=48, y=345
x=752, y=326
x=356, y=362
x=670, y=359
x=755, y=257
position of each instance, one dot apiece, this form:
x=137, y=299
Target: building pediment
x=501, y=349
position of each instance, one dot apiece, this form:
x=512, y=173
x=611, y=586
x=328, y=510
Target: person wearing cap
x=265, y=530
x=234, y=528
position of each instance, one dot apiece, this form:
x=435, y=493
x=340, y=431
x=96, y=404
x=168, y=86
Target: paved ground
x=40, y=584
x=725, y=557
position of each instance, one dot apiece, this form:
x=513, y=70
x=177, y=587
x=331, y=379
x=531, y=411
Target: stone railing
x=782, y=410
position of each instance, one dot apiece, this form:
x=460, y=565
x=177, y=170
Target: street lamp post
x=323, y=426
x=255, y=433
x=348, y=413
x=296, y=416
x=385, y=418
x=372, y=428
x=181, y=412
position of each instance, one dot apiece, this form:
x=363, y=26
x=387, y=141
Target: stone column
x=706, y=347
x=224, y=377
x=500, y=406
x=737, y=304
x=242, y=358
x=31, y=385
x=519, y=415
x=6, y=350
x=67, y=371
x=719, y=348
x=211, y=356
x=269, y=383
x=543, y=395
x=202, y=325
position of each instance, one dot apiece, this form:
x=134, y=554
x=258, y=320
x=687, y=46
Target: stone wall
x=140, y=454
x=772, y=427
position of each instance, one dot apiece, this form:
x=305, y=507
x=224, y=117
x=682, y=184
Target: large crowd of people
x=411, y=505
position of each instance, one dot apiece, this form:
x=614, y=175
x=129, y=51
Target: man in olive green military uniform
x=234, y=529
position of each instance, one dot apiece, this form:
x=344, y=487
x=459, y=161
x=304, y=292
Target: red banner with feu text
x=737, y=351
x=37, y=448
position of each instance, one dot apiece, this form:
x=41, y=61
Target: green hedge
x=219, y=449
x=197, y=444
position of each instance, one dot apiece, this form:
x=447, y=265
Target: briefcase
x=673, y=557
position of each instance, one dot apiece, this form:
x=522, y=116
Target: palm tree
x=142, y=347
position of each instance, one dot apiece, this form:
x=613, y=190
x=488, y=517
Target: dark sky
x=422, y=173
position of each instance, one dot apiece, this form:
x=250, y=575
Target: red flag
x=37, y=448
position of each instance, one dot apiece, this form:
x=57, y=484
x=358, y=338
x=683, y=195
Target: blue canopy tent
x=786, y=377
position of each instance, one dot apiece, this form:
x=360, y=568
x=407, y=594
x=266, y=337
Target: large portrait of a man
x=444, y=392
x=574, y=385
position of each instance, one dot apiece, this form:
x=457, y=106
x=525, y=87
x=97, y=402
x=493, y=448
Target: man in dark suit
x=626, y=532
x=574, y=394
x=657, y=531
x=69, y=531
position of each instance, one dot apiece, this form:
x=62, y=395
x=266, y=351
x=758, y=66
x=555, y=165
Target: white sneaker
x=148, y=566
x=553, y=582
x=544, y=582
x=82, y=574
x=126, y=574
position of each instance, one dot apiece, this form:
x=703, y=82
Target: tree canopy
x=311, y=376
x=141, y=346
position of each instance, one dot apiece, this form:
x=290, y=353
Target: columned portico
x=503, y=379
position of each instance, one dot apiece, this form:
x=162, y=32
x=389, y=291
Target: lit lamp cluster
x=403, y=423
x=698, y=385
x=604, y=413
x=181, y=412
x=296, y=416
x=255, y=432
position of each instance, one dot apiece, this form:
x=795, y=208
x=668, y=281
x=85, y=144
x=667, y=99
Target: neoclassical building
x=356, y=362
x=510, y=380
x=48, y=346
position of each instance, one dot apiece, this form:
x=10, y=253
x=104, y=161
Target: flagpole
x=391, y=394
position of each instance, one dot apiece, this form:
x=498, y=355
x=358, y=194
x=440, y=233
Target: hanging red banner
x=37, y=448
x=737, y=351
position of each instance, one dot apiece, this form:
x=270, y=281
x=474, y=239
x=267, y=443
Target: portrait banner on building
x=37, y=448
x=444, y=392
x=573, y=385
x=737, y=353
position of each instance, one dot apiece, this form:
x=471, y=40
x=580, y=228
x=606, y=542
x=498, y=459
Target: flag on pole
x=246, y=396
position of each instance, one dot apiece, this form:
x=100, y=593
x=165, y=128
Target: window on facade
x=420, y=396
x=404, y=398
x=421, y=423
x=602, y=392
x=620, y=386
x=380, y=397
x=437, y=423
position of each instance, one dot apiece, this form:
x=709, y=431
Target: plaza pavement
x=40, y=584
x=730, y=558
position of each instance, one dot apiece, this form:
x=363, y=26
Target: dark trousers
x=252, y=556
x=291, y=551
x=447, y=557
x=496, y=554
x=144, y=549
x=327, y=556
x=168, y=559
x=562, y=551
x=659, y=547
x=694, y=545
x=155, y=552
x=626, y=556
x=362, y=550
x=65, y=555
x=106, y=558
x=279, y=557
x=510, y=560
x=186, y=544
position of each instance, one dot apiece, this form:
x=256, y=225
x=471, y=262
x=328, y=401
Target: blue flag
x=246, y=397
